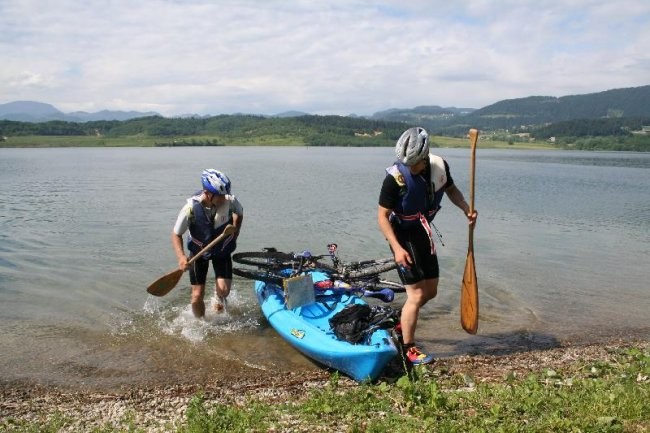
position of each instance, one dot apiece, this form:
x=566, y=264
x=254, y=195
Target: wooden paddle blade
x=469, y=296
x=165, y=284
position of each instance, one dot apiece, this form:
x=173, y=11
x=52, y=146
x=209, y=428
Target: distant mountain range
x=31, y=111
x=506, y=114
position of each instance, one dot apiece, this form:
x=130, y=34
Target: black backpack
x=357, y=321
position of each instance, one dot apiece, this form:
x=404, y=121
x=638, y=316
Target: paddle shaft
x=230, y=229
x=167, y=282
x=473, y=136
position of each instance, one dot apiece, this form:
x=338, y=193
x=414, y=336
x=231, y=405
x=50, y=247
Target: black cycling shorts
x=199, y=269
x=425, y=265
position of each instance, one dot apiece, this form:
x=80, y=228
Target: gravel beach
x=157, y=407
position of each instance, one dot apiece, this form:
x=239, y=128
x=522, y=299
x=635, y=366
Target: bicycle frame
x=274, y=266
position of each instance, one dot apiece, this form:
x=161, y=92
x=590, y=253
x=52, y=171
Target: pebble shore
x=162, y=407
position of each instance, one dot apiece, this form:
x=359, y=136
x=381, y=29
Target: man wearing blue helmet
x=206, y=215
x=410, y=197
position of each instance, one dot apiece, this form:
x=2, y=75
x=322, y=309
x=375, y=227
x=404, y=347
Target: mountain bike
x=363, y=277
x=273, y=260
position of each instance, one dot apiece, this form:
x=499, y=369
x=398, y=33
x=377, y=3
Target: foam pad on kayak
x=299, y=291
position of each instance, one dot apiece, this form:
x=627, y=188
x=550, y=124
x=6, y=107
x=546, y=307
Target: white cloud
x=326, y=57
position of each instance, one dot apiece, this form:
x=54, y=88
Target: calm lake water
x=562, y=249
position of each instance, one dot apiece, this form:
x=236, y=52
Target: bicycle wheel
x=259, y=275
x=369, y=268
x=266, y=259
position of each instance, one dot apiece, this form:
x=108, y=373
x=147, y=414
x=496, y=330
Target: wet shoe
x=417, y=356
x=220, y=304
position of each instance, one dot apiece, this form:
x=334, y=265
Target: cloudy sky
x=319, y=56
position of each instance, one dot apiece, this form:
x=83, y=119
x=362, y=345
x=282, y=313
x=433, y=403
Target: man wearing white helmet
x=206, y=215
x=409, y=199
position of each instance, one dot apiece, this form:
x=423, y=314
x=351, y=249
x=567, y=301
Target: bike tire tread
x=265, y=259
x=372, y=268
x=259, y=275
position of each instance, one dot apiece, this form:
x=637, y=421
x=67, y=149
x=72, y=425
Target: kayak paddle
x=167, y=282
x=469, y=286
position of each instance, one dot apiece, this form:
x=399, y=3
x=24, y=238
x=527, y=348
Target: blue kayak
x=307, y=328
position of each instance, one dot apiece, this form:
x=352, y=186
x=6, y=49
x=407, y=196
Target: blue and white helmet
x=412, y=146
x=215, y=181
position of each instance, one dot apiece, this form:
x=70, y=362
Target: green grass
x=601, y=396
x=606, y=398
x=78, y=141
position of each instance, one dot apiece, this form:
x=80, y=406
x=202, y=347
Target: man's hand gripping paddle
x=167, y=282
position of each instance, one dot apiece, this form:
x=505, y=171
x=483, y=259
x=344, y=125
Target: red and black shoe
x=416, y=356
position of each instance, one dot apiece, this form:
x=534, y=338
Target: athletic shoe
x=417, y=356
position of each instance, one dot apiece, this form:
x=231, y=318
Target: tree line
x=314, y=130
x=618, y=133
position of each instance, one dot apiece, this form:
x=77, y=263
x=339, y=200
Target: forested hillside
x=537, y=110
x=612, y=120
x=523, y=113
x=309, y=130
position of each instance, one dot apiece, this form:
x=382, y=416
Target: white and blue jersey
x=206, y=223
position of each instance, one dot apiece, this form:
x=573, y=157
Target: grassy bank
x=38, y=141
x=606, y=396
x=576, y=389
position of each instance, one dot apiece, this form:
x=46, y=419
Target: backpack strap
x=438, y=172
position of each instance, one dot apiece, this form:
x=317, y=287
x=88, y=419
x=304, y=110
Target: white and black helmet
x=215, y=181
x=412, y=146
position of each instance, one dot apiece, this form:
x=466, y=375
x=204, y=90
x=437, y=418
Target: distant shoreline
x=485, y=142
x=203, y=141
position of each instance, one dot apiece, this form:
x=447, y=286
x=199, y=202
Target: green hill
x=537, y=110
x=620, y=115
x=528, y=112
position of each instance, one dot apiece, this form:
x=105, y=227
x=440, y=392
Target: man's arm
x=456, y=197
x=177, y=236
x=237, y=220
x=402, y=257
x=177, y=243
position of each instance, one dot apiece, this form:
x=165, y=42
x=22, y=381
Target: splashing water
x=180, y=321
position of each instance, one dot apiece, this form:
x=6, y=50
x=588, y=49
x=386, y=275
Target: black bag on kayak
x=356, y=321
x=350, y=323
